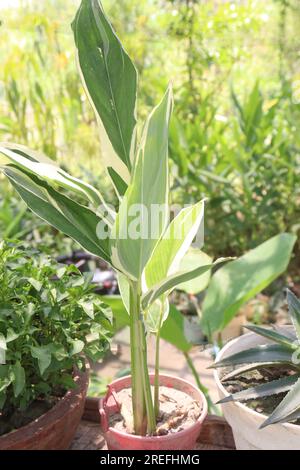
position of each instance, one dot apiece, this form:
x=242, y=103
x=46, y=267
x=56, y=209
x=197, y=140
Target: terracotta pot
x=244, y=421
x=55, y=429
x=182, y=440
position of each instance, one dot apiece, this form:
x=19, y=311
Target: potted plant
x=262, y=370
x=50, y=322
x=137, y=240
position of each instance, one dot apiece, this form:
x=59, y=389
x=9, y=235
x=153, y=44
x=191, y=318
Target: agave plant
x=283, y=350
x=147, y=265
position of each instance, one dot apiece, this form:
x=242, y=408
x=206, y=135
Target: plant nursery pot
x=182, y=440
x=192, y=329
x=55, y=429
x=244, y=421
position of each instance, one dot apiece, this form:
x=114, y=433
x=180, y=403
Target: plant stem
x=142, y=405
x=156, y=376
x=211, y=406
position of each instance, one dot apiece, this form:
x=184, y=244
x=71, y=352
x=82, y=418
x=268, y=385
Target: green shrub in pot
x=50, y=321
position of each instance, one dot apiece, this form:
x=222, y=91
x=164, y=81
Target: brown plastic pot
x=55, y=429
x=182, y=440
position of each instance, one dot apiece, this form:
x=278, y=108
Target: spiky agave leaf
x=282, y=352
x=271, y=388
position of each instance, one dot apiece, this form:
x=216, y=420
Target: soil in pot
x=55, y=428
x=14, y=418
x=265, y=405
x=178, y=411
x=191, y=408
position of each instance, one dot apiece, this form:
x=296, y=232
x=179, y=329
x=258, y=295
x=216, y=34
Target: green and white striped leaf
x=294, y=311
x=136, y=232
x=45, y=169
x=237, y=282
x=171, y=282
x=274, y=336
x=118, y=183
x=154, y=316
x=19, y=378
x=124, y=291
x=193, y=258
x=109, y=77
x=286, y=408
x=172, y=247
x=76, y=221
x=270, y=388
x=266, y=353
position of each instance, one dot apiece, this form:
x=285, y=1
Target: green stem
x=142, y=405
x=156, y=376
x=212, y=408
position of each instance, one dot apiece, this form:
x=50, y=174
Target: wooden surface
x=216, y=434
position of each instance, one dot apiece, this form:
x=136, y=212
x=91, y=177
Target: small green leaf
x=76, y=346
x=156, y=314
x=35, y=283
x=3, y=348
x=2, y=341
x=88, y=307
x=124, y=290
x=19, y=378
x=43, y=355
x=11, y=335
x=119, y=184
x=61, y=272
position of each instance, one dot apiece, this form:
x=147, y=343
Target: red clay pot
x=182, y=440
x=55, y=429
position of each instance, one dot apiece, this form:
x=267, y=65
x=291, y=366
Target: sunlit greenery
x=235, y=70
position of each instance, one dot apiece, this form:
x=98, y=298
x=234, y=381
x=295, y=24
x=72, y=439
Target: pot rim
x=81, y=379
x=199, y=421
x=260, y=416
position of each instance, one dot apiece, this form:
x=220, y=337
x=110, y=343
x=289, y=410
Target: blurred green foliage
x=236, y=76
